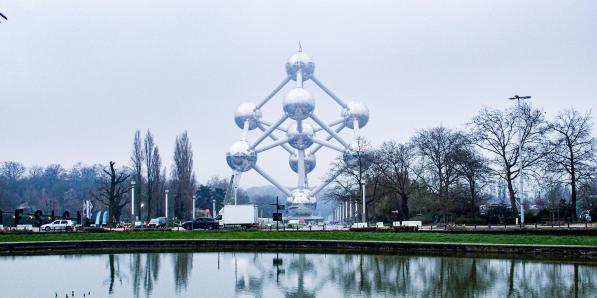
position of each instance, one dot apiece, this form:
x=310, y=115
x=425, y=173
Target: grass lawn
x=330, y=235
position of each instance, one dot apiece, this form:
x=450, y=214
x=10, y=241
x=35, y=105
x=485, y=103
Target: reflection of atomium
x=300, y=135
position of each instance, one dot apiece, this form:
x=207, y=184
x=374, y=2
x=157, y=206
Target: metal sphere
x=247, y=111
x=300, y=139
x=355, y=110
x=241, y=157
x=310, y=162
x=298, y=104
x=358, y=154
x=301, y=61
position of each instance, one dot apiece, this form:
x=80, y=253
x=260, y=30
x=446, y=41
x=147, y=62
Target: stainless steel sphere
x=301, y=61
x=300, y=139
x=241, y=157
x=247, y=111
x=310, y=162
x=298, y=104
x=358, y=154
x=355, y=110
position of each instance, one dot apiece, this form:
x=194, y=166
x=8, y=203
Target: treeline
x=444, y=174
x=108, y=186
x=440, y=173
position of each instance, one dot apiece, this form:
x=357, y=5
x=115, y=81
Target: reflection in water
x=183, y=264
x=241, y=274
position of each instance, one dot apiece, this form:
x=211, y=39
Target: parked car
x=585, y=216
x=59, y=225
x=158, y=222
x=201, y=223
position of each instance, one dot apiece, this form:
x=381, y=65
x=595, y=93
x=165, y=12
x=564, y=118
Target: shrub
x=405, y=229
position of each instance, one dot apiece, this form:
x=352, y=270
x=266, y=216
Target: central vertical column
x=299, y=125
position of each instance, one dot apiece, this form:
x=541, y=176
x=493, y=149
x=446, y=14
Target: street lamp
x=364, y=183
x=518, y=98
x=213, y=208
x=166, y=204
x=133, y=201
x=194, y=197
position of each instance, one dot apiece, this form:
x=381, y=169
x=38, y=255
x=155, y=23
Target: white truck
x=238, y=215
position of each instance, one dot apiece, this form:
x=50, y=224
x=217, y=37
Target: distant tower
x=299, y=135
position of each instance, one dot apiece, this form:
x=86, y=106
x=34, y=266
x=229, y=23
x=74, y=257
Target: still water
x=265, y=274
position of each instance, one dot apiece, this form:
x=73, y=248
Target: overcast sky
x=77, y=78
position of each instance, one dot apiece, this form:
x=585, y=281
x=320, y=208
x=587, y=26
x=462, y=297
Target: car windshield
x=56, y=222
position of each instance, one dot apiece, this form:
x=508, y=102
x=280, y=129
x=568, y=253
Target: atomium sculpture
x=300, y=139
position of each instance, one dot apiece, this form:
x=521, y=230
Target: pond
x=289, y=274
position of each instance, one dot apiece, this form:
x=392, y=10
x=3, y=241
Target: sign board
x=277, y=217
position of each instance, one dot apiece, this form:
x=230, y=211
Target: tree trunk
x=473, y=196
x=572, y=185
x=511, y=193
x=404, y=207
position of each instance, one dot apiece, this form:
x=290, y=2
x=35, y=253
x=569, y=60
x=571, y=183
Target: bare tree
x=348, y=176
x=573, y=150
x=12, y=171
x=473, y=169
x=438, y=148
x=148, y=147
x=183, y=177
x=394, y=163
x=503, y=134
x=158, y=180
x=137, y=159
x=111, y=191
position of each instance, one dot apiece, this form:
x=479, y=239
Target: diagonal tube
x=269, y=131
x=265, y=100
x=263, y=122
x=326, y=90
x=329, y=137
x=331, y=124
x=328, y=144
x=272, y=145
x=271, y=180
x=273, y=137
x=329, y=130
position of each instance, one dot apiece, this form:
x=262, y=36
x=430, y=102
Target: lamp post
x=364, y=215
x=213, y=208
x=194, y=198
x=518, y=98
x=166, y=204
x=133, y=202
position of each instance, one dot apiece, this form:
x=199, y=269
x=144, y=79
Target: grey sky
x=77, y=78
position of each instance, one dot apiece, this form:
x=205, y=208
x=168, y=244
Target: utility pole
x=364, y=184
x=213, y=208
x=133, y=202
x=166, y=203
x=194, y=198
x=277, y=216
x=521, y=198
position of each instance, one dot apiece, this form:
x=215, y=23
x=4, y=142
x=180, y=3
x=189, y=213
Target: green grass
x=331, y=235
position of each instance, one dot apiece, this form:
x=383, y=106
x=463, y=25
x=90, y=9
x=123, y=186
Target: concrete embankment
x=52, y=247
